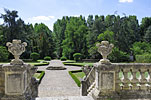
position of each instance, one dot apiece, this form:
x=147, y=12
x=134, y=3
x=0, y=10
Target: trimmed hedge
x=145, y=58
x=77, y=64
x=78, y=82
x=48, y=58
x=77, y=56
x=41, y=64
x=63, y=58
x=40, y=76
x=35, y=56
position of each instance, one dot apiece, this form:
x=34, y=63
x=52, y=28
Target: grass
x=40, y=60
x=39, y=75
x=77, y=75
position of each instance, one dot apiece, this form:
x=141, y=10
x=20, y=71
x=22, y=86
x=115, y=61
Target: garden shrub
x=118, y=56
x=139, y=48
x=47, y=58
x=42, y=64
x=77, y=56
x=39, y=78
x=63, y=58
x=3, y=53
x=35, y=56
x=145, y=58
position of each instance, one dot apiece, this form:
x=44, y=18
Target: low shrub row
x=48, y=58
x=77, y=81
x=63, y=58
x=77, y=64
x=41, y=64
x=39, y=76
x=145, y=58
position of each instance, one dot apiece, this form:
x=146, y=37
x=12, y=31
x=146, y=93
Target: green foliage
x=147, y=36
x=75, y=37
x=106, y=36
x=75, y=78
x=118, y=56
x=43, y=40
x=63, y=58
x=3, y=53
x=47, y=58
x=39, y=75
x=35, y=56
x=140, y=48
x=77, y=56
x=76, y=34
x=145, y=58
x=93, y=52
x=77, y=64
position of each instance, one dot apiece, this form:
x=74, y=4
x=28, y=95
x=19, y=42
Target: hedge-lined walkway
x=58, y=82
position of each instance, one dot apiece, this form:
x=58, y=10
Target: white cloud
x=47, y=20
x=41, y=18
x=75, y=15
x=123, y=1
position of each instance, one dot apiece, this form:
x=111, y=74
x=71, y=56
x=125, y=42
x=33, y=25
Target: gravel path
x=58, y=82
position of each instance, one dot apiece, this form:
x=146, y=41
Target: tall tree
x=43, y=42
x=59, y=31
x=75, y=37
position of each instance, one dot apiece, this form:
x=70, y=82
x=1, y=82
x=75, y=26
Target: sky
x=48, y=11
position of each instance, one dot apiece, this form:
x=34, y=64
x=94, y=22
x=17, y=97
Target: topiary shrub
x=77, y=56
x=35, y=56
x=48, y=58
x=145, y=58
x=3, y=53
x=63, y=58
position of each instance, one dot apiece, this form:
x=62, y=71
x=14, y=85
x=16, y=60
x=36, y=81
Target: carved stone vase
x=104, y=48
x=16, y=48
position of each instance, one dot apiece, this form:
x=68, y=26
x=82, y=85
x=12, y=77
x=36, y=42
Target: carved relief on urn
x=16, y=48
x=104, y=48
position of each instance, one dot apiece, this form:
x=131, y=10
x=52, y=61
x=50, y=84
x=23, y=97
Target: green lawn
x=36, y=75
x=79, y=75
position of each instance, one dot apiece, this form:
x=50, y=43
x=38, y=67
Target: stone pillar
x=105, y=82
x=105, y=74
x=16, y=81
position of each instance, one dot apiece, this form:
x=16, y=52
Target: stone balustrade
x=119, y=81
x=122, y=81
x=88, y=81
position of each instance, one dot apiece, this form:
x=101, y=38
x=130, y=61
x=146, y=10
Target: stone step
x=66, y=98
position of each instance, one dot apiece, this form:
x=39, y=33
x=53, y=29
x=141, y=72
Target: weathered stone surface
x=104, y=48
x=66, y=98
x=16, y=78
x=58, y=83
x=55, y=65
x=108, y=81
x=16, y=48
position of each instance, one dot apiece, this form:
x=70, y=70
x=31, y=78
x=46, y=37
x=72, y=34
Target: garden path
x=58, y=82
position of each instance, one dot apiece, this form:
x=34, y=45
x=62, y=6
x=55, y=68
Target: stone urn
x=16, y=48
x=104, y=48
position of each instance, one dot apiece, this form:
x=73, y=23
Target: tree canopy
x=72, y=35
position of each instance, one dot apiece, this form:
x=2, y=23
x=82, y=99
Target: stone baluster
x=135, y=80
x=126, y=79
x=118, y=80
